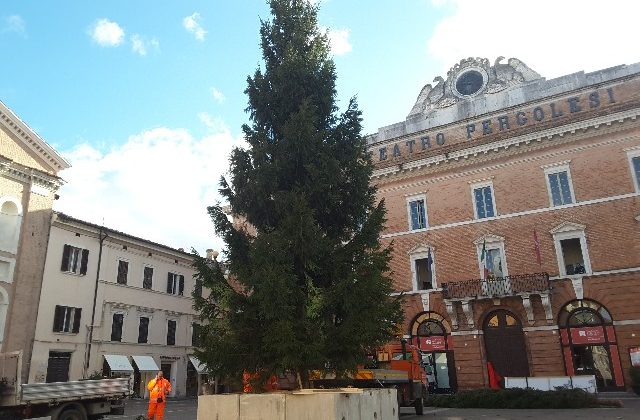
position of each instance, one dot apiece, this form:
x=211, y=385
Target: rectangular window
x=116, y=327
x=74, y=260
x=175, y=284
x=196, y=336
x=198, y=288
x=559, y=184
x=483, y=201
x=171, y=332
x=572, y=255
x=123, y=271
x=143, y=329
x=147, y=281
x=493, y=263
x=424, y=273
x=66, y=319
x=635, y=162
x=418, y=214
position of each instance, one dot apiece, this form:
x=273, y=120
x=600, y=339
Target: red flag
x=536, y=245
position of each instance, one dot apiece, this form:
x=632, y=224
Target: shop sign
x=587, y=335
x=433, y=343
x=634, y=353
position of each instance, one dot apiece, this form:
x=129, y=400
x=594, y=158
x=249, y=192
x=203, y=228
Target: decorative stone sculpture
x=469, y=78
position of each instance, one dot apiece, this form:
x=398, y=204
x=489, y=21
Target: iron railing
x=497, y=286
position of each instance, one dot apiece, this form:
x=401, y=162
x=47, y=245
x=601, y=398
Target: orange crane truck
x=396, y=365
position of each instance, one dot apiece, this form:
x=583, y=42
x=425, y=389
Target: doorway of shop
x=589, y=343
x=192, y=380
x=432, y=336
x=505, y=345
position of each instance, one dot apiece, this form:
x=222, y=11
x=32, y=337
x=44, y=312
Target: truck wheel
x=419, y=407
x=72, y=414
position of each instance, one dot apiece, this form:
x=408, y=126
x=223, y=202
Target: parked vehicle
x=396, y=365
x=73, y=400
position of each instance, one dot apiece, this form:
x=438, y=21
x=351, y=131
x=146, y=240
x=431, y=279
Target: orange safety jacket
x=158, y=389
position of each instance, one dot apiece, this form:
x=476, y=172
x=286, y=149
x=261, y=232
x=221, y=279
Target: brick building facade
x=514, y=213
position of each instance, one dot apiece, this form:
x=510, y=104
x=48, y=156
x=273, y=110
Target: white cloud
x=107, y=33
x=14, y=23
x=339, y=41
x=192, y=25
x=140, y=46
x=213, y=124
x=156, y=186
x=552, y=37
x=217, y=95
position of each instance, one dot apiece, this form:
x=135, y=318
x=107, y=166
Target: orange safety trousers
x=156, y=410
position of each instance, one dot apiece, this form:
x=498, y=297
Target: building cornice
x=31, y=139
x=24, y=174
x=468, y=154
x=487, y=167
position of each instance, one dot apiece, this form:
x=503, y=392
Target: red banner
x=587, y=335
x=433, y=343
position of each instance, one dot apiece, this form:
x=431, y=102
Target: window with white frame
x=423, y=268
x=117, y=324
x=175, y=284
x=484, y=203
x=491, y=257
x=559, y=185
x=417, y=212
x=634, y=162
x=74, y=260
x=123, y=271
x=171, y=332
x=143, y=330
x=147, y=277
x=571, y=249
x=67, y=319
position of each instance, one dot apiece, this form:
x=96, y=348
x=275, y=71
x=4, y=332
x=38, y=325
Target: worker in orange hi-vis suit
x=158, y=388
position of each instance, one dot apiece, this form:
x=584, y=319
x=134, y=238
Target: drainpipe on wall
x=102, y=235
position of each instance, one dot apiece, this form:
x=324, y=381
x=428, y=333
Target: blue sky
x=145, y=98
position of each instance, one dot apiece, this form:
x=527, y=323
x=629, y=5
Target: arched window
x=430, y=327
x=10, y=221
x=583, y=312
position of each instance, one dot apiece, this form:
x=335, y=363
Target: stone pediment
x=567, y=227
x=469, y=78
x=421, y=248
x=49, y=160
x=488, y=238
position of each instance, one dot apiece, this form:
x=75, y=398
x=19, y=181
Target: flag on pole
x=483, y=259
x=536, y=245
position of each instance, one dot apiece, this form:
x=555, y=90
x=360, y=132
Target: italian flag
x=483, y=259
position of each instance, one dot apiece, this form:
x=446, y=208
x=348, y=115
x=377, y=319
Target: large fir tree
x=304, y=287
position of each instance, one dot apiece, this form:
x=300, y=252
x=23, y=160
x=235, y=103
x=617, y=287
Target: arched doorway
x=589, y=343
x=505, y=345
x=432, y=335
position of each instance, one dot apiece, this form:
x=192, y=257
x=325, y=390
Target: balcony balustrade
x=497, y=287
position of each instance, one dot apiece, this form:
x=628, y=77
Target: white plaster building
x=28, y=183
x=143, y=313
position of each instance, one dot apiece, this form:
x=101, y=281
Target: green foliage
x=308, y=288
x=515, y=398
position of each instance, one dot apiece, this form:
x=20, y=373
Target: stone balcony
x=522, y=285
